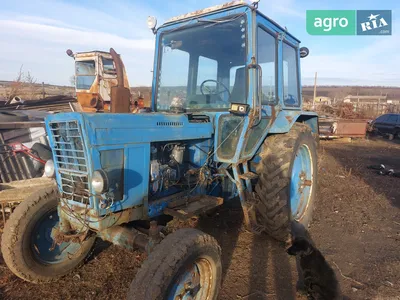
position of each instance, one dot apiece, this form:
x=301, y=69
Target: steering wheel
x=210, y=92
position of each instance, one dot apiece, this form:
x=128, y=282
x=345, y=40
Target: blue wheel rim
x=301, y=182
x=43, y=248
x=193, y=283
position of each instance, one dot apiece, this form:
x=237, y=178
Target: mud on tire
x=273, y=208
x=16, y=244
x=169, y=260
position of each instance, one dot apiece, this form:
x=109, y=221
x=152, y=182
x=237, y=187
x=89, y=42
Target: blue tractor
x=226, y=123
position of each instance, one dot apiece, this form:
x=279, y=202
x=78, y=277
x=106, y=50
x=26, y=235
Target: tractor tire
x=287, y=182
x=187, y=262
x=26, y=241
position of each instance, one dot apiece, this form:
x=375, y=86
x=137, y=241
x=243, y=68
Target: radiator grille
x=70, y=158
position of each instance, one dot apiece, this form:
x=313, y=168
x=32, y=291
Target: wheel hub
x=304, y=182
x=301, y=182
x=194, y=283
x=47, y=246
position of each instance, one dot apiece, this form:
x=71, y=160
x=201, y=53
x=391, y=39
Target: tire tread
x=13, y=232
x=272, y=208
x=161, y=264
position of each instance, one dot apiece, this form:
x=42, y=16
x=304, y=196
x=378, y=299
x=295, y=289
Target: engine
x=170, y=166
x=166, y=166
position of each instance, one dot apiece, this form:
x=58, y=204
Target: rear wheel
x=185, y=265
x=287, y=181
x=27, y=243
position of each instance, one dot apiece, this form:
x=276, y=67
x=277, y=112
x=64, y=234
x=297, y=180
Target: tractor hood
x=114, y=129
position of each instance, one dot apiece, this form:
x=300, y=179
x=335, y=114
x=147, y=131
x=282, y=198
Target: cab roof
x=91, y=53
x=207, y=10
x=213, y=9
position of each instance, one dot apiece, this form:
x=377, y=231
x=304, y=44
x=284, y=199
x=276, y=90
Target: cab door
x=266, y=84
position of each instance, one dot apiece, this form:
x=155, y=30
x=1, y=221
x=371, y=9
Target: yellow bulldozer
x=101, y=82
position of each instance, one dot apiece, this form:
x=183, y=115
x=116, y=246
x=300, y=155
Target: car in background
x=388, y=124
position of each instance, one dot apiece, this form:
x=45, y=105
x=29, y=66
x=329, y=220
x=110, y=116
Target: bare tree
x=32, y=89
x=16, y=86
x=24, y=86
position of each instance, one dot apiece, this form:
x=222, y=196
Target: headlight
x=49, y=170
x=99, y=181
x=151, y=22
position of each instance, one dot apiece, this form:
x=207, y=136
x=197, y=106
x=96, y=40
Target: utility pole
x=43, y=91
x=315, y=90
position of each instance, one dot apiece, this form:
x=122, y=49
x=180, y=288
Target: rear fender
x=286, y=118
x=312, y=121
x=284, y=122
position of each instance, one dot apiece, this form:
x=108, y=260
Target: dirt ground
x=356, y=226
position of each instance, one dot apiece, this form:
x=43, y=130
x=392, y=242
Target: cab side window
x=108, y=65
x=290, y=76
x=266, y=56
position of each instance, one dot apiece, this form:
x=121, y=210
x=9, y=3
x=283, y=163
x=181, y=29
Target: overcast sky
x=37, y=33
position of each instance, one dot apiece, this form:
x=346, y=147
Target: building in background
x=323, y=100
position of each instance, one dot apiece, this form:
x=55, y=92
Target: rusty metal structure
x=332, y=128
x=100, y=77
x=120, y=93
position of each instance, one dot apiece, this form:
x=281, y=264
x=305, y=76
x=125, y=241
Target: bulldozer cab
x=230, y=58
x=95, y=76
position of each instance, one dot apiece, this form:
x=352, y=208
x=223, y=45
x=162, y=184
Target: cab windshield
x=85, y=73
x=203, y=67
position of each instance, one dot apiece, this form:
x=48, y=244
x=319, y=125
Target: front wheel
x=185, y=265
x=287, y=181
x=27, y=242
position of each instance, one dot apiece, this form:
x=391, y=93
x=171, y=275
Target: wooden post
x=43, y=91
x=378, y=106
x=315, y=90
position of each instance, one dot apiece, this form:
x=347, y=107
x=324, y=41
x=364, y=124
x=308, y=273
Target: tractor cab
x=96, y=73
x=234, y=63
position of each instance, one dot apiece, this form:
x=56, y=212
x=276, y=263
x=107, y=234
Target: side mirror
x=304, y=51
x=70, y=53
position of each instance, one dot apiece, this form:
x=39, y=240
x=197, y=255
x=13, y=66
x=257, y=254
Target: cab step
x=194, y=206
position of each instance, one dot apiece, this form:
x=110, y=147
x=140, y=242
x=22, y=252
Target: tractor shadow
x=254, y=266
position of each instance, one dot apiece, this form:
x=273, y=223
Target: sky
x=36, y=34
